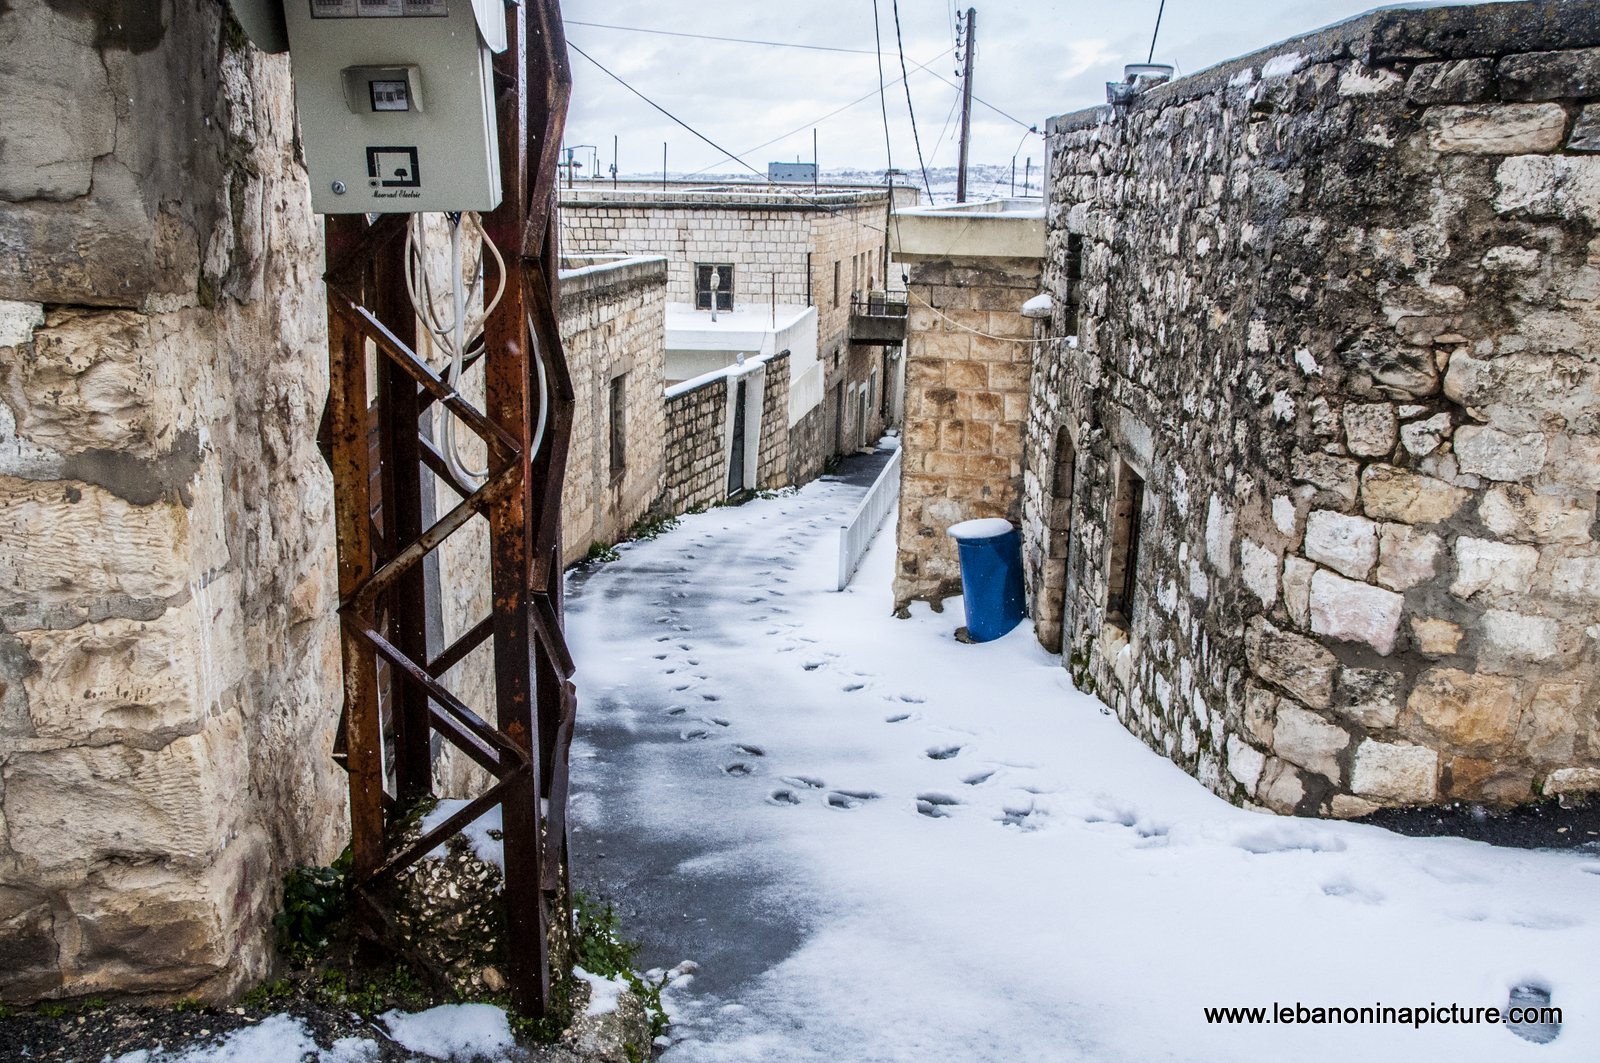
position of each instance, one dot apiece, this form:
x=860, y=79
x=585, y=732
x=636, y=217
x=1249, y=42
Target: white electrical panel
x=396, y=103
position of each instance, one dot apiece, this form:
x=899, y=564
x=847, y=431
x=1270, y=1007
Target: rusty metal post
x=523, y=742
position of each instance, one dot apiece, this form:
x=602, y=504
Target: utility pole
x=966, y=104
x=614, y=141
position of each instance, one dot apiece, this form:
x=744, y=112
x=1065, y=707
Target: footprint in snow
x=750, y=751
x=846, y=799
x=712, y=697
x=899, y=717
x=807, y=782
x=1349, y=891
x=978, y=778
x=717, y=721
x=660, y=656
x=1537, y=997
x=812, y=666
x=738, y=769
x=676, y=710
x=1017, y=815
x=783, y=797
x=911, y=699
x=942, y=752
x=935, y=805
x=694, y=735
x=851, y=688
x=1287, y=840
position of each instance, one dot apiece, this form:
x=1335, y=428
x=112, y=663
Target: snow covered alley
x=880, y=844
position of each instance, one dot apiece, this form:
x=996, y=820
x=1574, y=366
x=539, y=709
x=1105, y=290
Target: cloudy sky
x=1035, y=58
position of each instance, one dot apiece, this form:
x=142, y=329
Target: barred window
x=702, y=285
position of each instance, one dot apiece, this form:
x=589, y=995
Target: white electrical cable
x=463, y=332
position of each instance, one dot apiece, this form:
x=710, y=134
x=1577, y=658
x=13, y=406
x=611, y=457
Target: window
x=1074, y=281
x=703, y=275
x=619, y=424
x=1122, y=575
x=835, y=282
x=855, y=273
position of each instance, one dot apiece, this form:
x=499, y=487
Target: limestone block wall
x=169, y=668
x=696, y=462
x=1338, y=312
x=968, y=360
x=613, y=323
x=772, y=467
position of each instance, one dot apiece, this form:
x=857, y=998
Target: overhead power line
x=858, y=101
x=905, y=79
x=710, y=37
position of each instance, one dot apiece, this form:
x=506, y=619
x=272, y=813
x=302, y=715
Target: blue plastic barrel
x=991, y=576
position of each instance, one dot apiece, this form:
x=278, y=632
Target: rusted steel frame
x=448, y=701
x=549, y=465
x=355, y=247
x=457, y=651
x=559, y=787
x=547, y=622
x=452, y=826
x=462, y=739
x=352, y=479
x=480, y=501
x=434, y=460
x=510, y=392
x=473, y=356
x=501, y=444
x=399, y=442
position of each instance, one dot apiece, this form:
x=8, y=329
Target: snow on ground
x=452, y=1031
x=881, y=844
x=275, y=1039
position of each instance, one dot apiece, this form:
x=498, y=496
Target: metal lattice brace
x=383, y=536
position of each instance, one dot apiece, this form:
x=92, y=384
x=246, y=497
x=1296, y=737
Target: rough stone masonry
x=169, y=666
x=1337, y=308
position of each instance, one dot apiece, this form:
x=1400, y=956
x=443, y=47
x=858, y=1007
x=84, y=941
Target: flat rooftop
x=731, y=195
x=990, y=228
x=689, y=329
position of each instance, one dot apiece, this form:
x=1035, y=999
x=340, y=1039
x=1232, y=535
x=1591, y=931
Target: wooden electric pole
x=966, y=104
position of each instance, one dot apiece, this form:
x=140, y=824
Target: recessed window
x=1074, y=281
x=618, y=406
x=712, y=277
x=1122, y=575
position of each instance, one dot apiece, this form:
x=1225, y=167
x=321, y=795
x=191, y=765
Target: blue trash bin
x=991, y=576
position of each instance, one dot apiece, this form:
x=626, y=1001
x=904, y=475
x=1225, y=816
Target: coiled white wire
x=462, y=333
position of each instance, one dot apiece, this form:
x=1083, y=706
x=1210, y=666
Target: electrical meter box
x=395, y=98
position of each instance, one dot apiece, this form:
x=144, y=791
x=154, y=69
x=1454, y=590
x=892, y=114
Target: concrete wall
x=169, y=670
x=1339, y=310
x=613, y=316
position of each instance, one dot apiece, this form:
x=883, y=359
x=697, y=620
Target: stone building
x=775, y=252
x=613, y=312
x=1308, y=486
x=169, y=661
x=969, y=351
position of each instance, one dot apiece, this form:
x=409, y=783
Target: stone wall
x=696, y=460
x=169, y=668
x=772, y=465
x=699, y=432
x=613, y=315
x=968, y=351
x=1338, y=312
